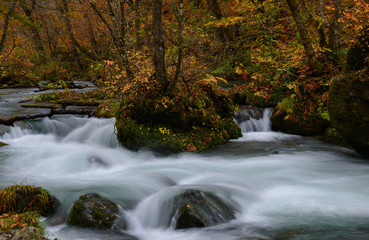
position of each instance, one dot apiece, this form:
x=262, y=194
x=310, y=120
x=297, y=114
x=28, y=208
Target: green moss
x=20, y=221
x=348, y=108
x=193, y=120
x=24, y=198
x=2, y=144
x=91, y=210
x=38, y=105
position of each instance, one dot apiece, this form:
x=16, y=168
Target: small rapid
x=281, y=186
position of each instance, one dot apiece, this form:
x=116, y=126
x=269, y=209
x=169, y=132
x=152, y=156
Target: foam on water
x=308, y=187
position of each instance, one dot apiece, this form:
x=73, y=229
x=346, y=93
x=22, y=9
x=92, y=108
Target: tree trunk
x=178, y=13
x=334, y=27
x=159, y=50
x=319, y=26
x=304, y=36
x=122, y=41
x=64, y=10
x=6, y=23
x=138, y=24
x=35, y=32
x=215, y=10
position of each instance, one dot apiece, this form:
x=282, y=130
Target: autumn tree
x=158, y=44
x=215, y=10
x=28, y=8
x=6, y=23
x=304, y=35
x=116, y=25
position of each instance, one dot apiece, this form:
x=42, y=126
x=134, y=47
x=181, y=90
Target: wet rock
x=28, y=233
x=4, y=129
x=348, y=106
x=96, y=161
x=2, y=144
x=92, y=210
x=245, y=113
x=42, y=105
x=23, y=125
x=196, y=209
x=24, y=198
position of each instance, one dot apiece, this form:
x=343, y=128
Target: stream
x=282, y=186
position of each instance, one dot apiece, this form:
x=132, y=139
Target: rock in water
x=28, y=233
x=26, y=198
x=92, y=210
x=348, y=107
x=196, y=209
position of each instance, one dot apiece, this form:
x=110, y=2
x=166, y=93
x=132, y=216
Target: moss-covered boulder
x=197, y=209
x=2, y=144
x=358, y=54
x=292, y=124
x=192, y=118
x=348, y=106
x=27, y=198
x=27, y=233
x=92, y=210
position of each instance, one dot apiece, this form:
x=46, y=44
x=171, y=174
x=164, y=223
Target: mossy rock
x=158, y=138
x=348, y=106
x=92, y=210
x=291, y=124
x=358, y=54
x=196, y=120
x=2, y=144
x=27, y=233
x=197, y=209
x=25, y=198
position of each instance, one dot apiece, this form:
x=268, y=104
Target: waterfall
x=256, y=126
x=251, y=122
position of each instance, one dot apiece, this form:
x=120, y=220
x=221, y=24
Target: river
x=282, y=186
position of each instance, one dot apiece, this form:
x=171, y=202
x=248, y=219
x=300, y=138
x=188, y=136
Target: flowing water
x=282, y=186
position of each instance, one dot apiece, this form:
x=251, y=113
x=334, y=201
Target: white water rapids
x=282, y=186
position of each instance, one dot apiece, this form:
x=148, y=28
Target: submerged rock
x=196, y=209
x=92, y=210
x=96, y=161
x=348, y=107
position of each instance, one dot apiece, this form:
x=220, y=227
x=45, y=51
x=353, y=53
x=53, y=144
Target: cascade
x=308, y=189
x=251, y=122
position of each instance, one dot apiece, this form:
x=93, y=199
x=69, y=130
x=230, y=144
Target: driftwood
x=78, y=110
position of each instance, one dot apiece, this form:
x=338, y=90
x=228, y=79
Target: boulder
x=197, y=209
x=244, y=113
x=27, y=233
x=348, y=106
x=281, y=121
x=92, y=210
x=25, y=198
